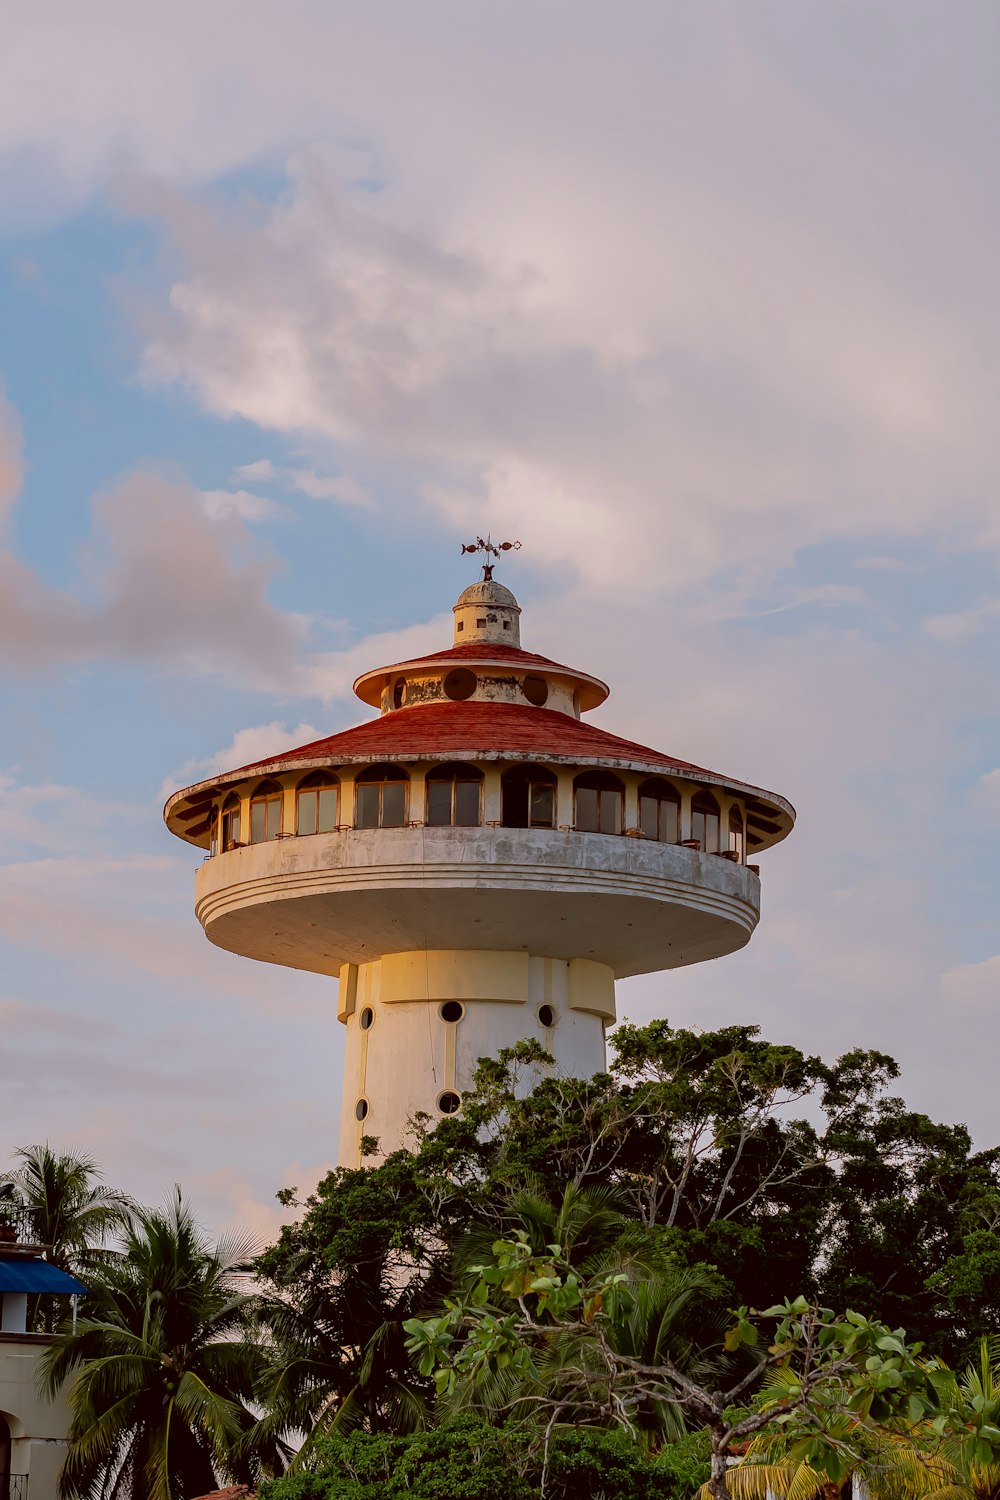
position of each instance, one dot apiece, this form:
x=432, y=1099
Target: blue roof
x=17, y=1275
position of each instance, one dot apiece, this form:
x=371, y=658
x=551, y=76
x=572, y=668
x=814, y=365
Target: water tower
x=474, y=866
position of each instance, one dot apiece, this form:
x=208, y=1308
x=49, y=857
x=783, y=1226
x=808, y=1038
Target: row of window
x=453, y=1011
x=461, y=683
x=448, y=1103
x=454, y=799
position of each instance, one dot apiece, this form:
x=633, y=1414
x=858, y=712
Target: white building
x=474, y=866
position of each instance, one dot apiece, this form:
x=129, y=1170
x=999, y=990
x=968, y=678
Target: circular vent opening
x=452, y=1010
x=367, y=1017
x=460, y=684
x=449, y=1103
x=536, y=690
x=546, y=1016
x=361, y=1109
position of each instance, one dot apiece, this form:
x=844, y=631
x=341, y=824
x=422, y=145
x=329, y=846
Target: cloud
x=974, y=988
x=991, y=785
x=11, y=471
x=342, y=487
x=219, y=504
x=247, y=746
x=962, y=624
x=163, y=582
x=634, y=407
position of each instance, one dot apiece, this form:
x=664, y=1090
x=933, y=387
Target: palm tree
x=72, y=1211
x=913, y=1465
x=591, y=1230
x=161, y=1367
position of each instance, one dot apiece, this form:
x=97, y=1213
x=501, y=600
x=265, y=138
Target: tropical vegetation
x=721, y=1249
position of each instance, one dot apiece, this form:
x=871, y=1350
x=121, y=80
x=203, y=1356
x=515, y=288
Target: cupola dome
x=486, y=611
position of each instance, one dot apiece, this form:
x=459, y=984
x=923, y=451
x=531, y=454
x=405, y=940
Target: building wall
x=38, y=1426
x=410, y=1055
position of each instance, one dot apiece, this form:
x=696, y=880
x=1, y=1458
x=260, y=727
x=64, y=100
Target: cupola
x=486, y=611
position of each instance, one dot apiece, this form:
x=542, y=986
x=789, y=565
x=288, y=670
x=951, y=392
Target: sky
x=698, y=302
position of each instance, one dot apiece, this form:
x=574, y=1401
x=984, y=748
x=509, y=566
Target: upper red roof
x=433, y=730
x=474, y=730
x=490, y=651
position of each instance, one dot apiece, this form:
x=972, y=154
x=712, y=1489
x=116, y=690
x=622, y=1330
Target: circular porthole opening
x=452, y=1010
x=367, y=1017
x=546, y=1016
x=460, y=684
x=449, y=1103
x=536, y=690
x=361, y=1109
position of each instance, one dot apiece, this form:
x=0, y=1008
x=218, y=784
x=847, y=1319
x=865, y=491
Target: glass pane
x=670, y=822
x=712, y=833
x=274, y=816
x=327, y=798
x=467, y=804
x=438, y=803
x=393, y=803
x=611, y=812
x=586, y=809
x=647, y=817
x=258, y=813
x=515, y=804
x=698, y=826
x=307, y=812
x=366, y=810
x=543, y=806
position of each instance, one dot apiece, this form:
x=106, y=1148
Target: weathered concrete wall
x=352, y=896
x=38, y=1426
x=402, y=1054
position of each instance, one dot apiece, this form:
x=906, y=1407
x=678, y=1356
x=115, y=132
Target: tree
x=825, y=1379
x=161, y=1367
x=471, y=1459
x=72, y=1211
x=373, y=1249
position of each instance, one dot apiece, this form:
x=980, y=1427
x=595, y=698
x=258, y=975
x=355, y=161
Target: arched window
x=230, y=822
x=529, y=797
x=660, y=811
x=454, y=796
x=705, y=822
x=600, y=801
x=265, y=812
x=317, y=803
x=736, y=831
x=380, y=797
x=398, y=692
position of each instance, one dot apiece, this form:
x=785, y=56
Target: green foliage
x=162, y=1366
x=72, y=1212
x=471, y=1460
x=828, y=1381
x=706, y=1171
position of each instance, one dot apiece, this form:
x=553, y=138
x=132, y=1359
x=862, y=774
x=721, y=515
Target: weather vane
x=491, y=549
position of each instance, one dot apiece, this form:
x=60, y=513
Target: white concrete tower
x=475, y=866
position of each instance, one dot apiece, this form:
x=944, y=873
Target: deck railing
x=13, y=1487
x=18, y=1226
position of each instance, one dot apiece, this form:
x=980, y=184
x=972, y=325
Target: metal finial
x=491, y=549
